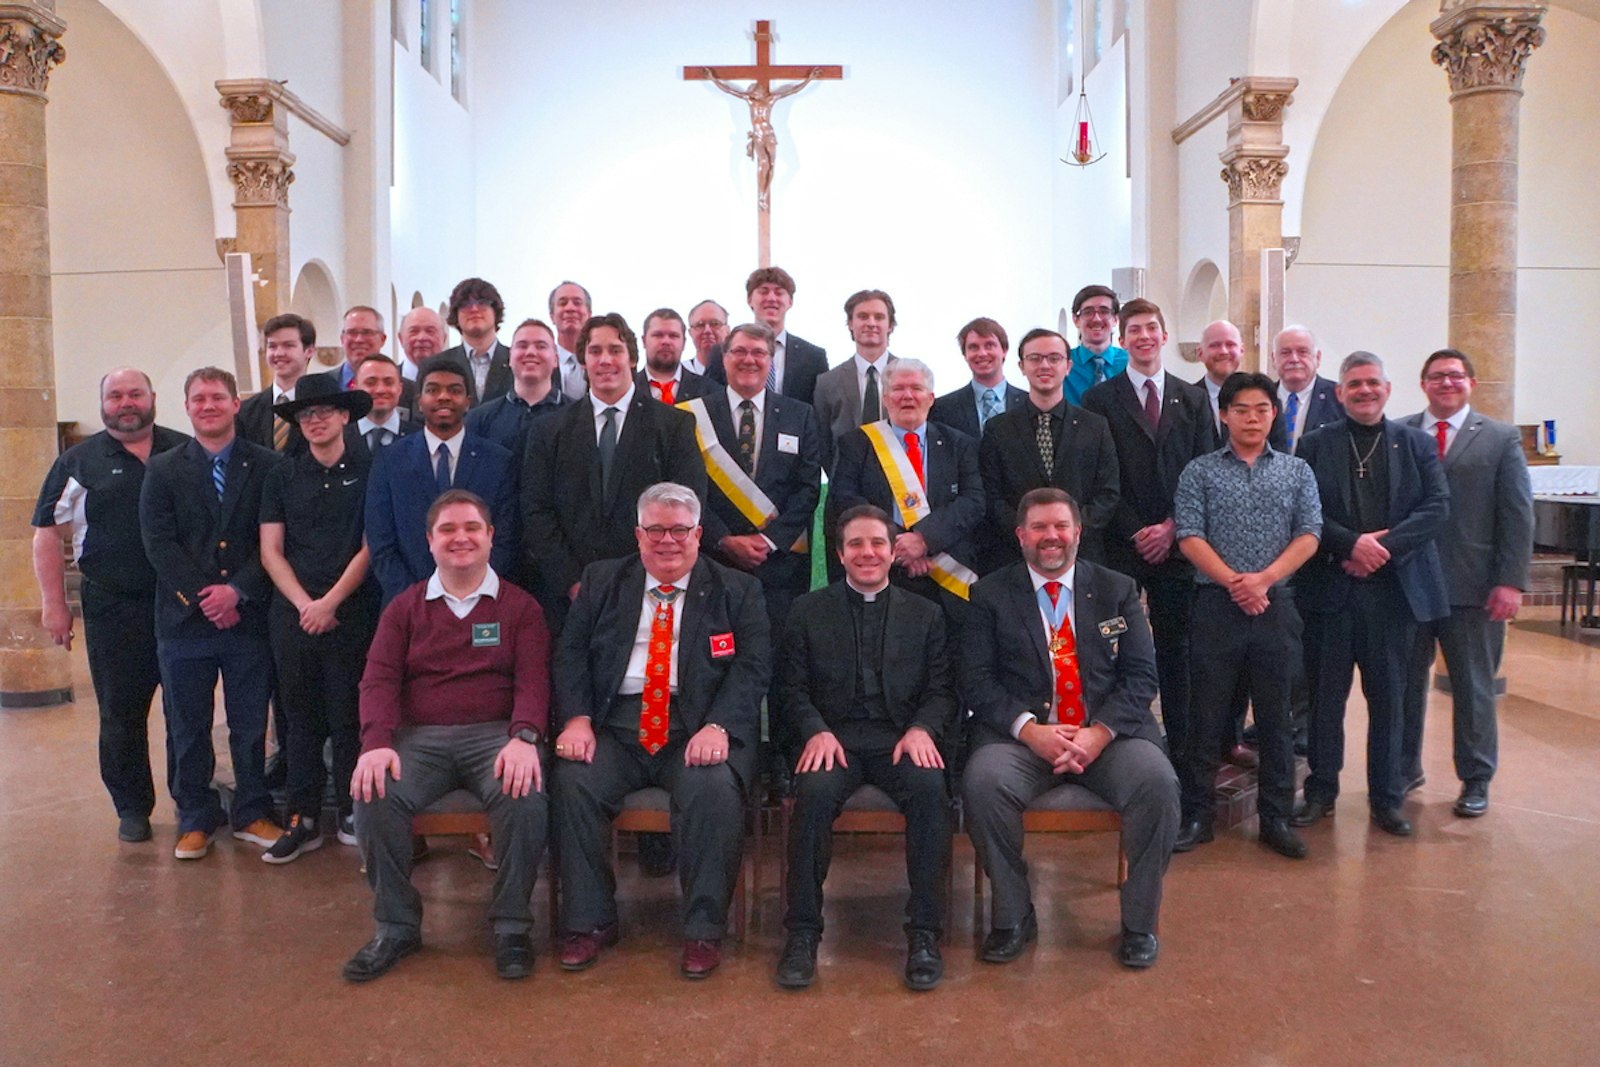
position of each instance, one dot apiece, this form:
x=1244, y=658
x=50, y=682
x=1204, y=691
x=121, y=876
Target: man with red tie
x=659, y=675
x=664, y=374
x=1059, y=669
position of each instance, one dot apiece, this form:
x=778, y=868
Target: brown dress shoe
x=580, y=950
x=1243, y=756
x=700, y=958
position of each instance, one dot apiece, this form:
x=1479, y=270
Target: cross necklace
x=1362, y=461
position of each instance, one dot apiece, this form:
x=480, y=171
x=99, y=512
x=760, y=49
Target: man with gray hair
x=1306, y=400
x=422, y=334
x=1375, y=576
x=925, y=476
x=659, y=675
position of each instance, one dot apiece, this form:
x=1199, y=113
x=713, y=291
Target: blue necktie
x=441, y=471
x=1099, y=365
x=1290, y=418
x=991, y=407
x=219, y=474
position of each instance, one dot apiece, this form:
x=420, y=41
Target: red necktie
x=1440, y=429
x=1064, y=657
x=1152, y=405
x=663, y=391
x=914, y=454
x=657, y=694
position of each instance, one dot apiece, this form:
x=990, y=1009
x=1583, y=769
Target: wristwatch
x=530, y=736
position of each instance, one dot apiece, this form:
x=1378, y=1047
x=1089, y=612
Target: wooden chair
x=869, y=810
x=458, y=813
x=1066, y=809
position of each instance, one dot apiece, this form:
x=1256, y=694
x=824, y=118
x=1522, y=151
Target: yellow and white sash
x=735, y=484
x=910, y=498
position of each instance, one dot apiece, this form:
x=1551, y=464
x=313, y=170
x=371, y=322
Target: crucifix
x=762, y=144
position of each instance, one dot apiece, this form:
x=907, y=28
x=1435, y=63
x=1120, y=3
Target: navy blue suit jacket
x=402, y=488
x=1323, y=409
x=1419, y=506
x=959, y=410
x=955, y=488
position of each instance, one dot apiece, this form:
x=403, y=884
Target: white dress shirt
x=453, y=446
x=1039, y=581
x=1300, y=416
x=1138, y=380
x=861, y=365
x=622, y=411
x=479, y=362
x=461, y=607
x=365, y=425
x=1453, y=425
x=780, y=346
x=1214, y=391
x=633, y=677
x=573, y=381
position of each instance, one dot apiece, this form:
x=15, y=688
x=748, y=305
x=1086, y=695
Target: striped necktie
x=280, y=433
x=219, y=474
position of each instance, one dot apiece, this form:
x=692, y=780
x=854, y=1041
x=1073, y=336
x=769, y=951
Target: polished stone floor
x=1472, y=943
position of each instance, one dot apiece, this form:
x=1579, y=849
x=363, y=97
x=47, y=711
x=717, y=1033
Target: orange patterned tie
x=657, y=694
x=1064, y=656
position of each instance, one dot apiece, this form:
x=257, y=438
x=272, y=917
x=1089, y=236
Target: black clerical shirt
x=1369, y=476
x=869, y=728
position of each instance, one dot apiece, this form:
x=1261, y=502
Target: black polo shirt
x=94, y=488
x=322, y=510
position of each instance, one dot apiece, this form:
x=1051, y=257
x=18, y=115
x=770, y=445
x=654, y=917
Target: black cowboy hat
x=322, y=390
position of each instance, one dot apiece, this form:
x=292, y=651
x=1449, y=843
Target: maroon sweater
x=423, y=669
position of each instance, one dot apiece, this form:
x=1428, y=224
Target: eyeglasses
x=742, y=351
x=468, y=304
x=1454, y=377
x=363, y=333
x=1096, y=313
x=707, y=324
x=1054, y=359
x=316, y=414
x=655, y=534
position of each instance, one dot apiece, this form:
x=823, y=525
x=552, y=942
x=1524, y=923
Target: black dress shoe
x=797, y=966
x=1005, y=944
x=1390, y=821
x=378, y=955
x=1276, y=835
x=1414, y=782
x=1137, y=950
x=1192, y=833
x=1311, y=811
x=513, y=955
x=657, y=857
x=924, y=965
x=1473, y=801
x=136, y=828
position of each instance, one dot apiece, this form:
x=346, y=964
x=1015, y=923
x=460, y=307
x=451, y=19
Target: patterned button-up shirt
x=1247, y=514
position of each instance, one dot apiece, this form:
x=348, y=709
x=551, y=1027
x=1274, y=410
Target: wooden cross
x=762, y=144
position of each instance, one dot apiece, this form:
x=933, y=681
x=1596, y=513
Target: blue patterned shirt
x=1247, y=514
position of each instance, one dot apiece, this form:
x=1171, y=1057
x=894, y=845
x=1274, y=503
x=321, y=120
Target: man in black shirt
x=867, y=685
x=1376, y=576
x=325, y=605
x=91, y=496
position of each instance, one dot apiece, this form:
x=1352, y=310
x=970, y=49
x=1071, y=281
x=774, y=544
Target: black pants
x=120, y=632
x=1375, y=631
x=1169, y=594
x=1228, y=645
x=920, y=794
x=319, y=679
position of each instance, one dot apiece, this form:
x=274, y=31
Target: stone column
x=1484, y=49
x=34, y=671
x=259, y=162
x=1254, y=168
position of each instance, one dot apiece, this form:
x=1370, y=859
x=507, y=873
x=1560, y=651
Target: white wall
x=927, y=172
x=1374, y=263
x=135, y=277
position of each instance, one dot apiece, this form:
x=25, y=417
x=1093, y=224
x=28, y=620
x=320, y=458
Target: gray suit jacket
x=1489, y=538
x=837, y=402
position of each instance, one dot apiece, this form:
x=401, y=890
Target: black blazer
x=790, y=476
x=955, y=488
x=597, y=641
x=690, y=385
x=1419, y=506
x=1005, y=664
x=819, y=654
x=193, y=540
x=959, y=410
x=1324, y=408
x=1086, y=467
x=802, y=362
x=1149, y=459
x=498, y=382
x=568, y=520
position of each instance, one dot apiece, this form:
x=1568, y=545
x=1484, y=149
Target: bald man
x=1220, y=350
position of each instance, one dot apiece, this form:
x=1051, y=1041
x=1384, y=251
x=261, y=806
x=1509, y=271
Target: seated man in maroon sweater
x=456, y=695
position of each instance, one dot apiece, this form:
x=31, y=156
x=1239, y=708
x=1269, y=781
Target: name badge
x=788, y=442
x=1113, y=627
x=721, y=645
x=485, y=635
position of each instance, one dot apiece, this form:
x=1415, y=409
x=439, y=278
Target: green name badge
x=485, y=635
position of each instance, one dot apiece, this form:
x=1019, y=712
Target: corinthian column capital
x=1485, y=46
x=29, y=47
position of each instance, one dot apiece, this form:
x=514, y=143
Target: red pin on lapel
x=721, y=645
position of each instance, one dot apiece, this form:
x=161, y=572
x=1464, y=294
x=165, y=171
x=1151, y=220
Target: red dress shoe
x=580, y=950
x=1243, y=756
x=700, y=958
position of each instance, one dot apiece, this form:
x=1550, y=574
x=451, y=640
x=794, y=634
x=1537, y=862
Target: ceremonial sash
x=911, y=500
x=757, y=508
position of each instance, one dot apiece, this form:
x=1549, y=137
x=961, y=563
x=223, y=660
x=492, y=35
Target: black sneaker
x=133, y=828
x=301, y=836
x=347, y=830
